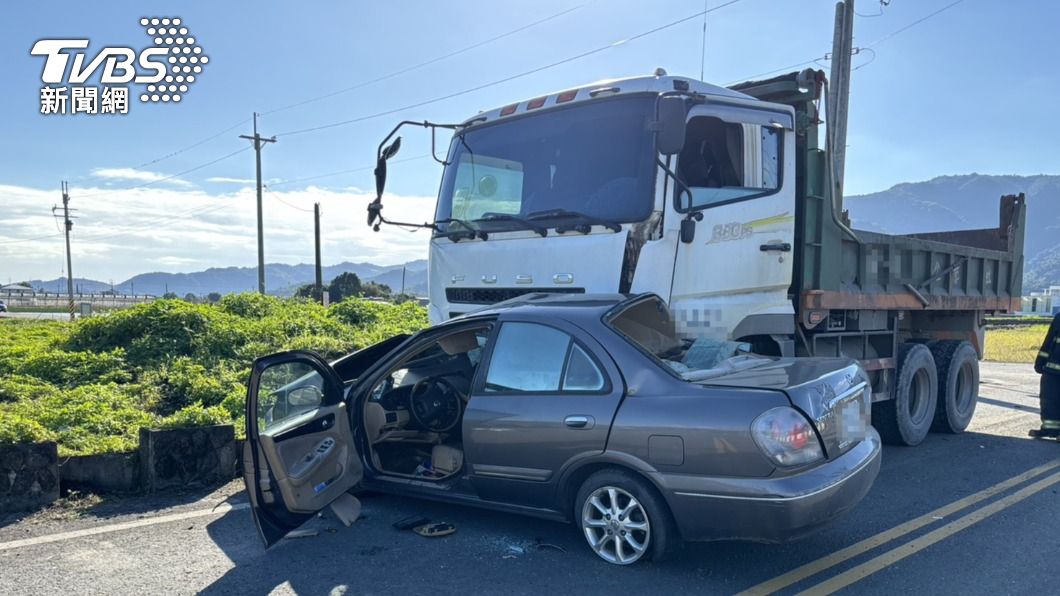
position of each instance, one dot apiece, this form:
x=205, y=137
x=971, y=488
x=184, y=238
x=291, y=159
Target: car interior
x=413, y=414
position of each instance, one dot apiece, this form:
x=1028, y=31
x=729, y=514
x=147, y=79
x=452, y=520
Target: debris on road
x=347, y=508
x=308, y=533
x=435, y=530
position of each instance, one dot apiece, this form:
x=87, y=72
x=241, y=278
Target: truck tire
x=958, y=371
x=906, y=419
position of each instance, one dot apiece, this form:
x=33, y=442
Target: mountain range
x=280, y=279
x=940, y=204
x=968, y=202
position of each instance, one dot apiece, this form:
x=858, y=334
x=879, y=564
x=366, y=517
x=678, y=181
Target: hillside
x=280, y=279
x=966, y=202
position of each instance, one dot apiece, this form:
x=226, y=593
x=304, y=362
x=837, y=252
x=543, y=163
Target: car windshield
x=593, y=160
x=648, y=324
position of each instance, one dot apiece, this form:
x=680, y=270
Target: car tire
x=906, y=418
x=958, y=373
x=661, y=538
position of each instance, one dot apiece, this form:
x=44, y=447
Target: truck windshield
x=595, y=159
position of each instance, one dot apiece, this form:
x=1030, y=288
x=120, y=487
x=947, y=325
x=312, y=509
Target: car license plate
x=851, y=422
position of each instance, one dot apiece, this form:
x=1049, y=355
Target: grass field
x=1014, y=344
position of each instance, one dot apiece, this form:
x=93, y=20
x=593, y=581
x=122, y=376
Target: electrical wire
x=349, y=171
x=192, y=146
x=432, y=60
x=506, y=79
x=913, y=24
x=33, y=239
x=170, y=177
x=883, y=4
x=277, y=197
x=867, y=47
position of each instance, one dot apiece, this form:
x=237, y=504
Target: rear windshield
x=649, y=326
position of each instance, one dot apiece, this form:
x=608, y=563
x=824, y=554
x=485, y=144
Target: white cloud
x=120, y=233
x=226, y=179
x=135, y=175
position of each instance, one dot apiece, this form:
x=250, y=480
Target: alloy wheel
x=616, y=525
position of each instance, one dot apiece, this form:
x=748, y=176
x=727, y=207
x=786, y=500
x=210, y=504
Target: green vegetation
x=91, y=385
x=1015, y=344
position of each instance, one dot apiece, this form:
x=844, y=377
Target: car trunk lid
x=834, y=394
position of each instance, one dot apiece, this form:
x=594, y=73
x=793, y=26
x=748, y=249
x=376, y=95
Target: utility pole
x=403, y=267
x=316, y=235
x=258, y=144
x=839, y=90
x=68, y=225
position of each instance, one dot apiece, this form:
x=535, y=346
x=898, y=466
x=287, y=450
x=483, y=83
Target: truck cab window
x=728, y=161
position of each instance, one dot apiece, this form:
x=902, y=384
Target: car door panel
x=517, y=444
x=300, y=454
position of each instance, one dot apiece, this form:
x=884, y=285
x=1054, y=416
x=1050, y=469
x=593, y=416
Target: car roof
x=549, y=304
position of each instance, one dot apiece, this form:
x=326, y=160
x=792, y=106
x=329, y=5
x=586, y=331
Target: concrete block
x=102, y=473
x=29, y=476
x=186, y=457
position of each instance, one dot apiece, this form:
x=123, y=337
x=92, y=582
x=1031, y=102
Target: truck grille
x=494, y=295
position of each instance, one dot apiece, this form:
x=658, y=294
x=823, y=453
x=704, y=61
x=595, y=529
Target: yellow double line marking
x=876, y=564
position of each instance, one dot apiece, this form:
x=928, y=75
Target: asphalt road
x=974, y=513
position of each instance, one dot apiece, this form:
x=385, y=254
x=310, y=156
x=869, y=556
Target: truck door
x=299, y=455
x=731, y=280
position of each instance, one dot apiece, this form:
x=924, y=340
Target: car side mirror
x=305, y=396
x=670, y=126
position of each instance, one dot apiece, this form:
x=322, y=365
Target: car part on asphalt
x=435, y=530
x=347, y=508
x=906, y=419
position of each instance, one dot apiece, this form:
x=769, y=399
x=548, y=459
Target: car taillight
x=786, y=437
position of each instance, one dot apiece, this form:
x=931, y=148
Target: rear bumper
x=771, y=509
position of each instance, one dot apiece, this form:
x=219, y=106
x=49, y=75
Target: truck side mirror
x=688, y=230
x=380, y=179
x=670, y=131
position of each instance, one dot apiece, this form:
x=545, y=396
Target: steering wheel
x=435, y=404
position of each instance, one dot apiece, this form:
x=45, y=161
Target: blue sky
x=969, y=90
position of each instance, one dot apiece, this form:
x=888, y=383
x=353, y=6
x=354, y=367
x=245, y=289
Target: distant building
x=1046, y=302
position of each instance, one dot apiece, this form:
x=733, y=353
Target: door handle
x=579, y=421
x=780, y=246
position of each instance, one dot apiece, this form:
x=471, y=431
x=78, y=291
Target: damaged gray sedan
x=585, y=408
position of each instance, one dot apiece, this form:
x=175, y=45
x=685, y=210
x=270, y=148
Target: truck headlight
x=786, y=437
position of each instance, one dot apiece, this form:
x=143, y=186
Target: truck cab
x=569, y=193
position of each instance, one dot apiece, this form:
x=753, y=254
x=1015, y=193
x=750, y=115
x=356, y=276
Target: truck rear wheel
x=906, y=419
x=958, y=372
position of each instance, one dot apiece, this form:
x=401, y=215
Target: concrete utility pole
x=316, y=235
x=839, y=90
x=258, y=144
x=68, y=225
x=403, y=267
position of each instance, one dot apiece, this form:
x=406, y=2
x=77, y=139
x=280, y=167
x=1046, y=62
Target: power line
x=506, y=79
x=170, y=177
x=349, y=171
x=154, y=225
x=913, y=24
x=277, y=197
x=33, y=239
x=867, y=47
x=192, y=146
x=431, y=61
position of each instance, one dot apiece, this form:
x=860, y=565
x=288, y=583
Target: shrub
x=15, y=428
x=88, y=419
x=69, y=369
x=196, y=415
x=251, y=305
x=14, y=388
x=182, y=382
x=156, y=331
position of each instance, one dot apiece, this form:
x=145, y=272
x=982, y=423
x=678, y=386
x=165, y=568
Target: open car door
x=299, y=455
